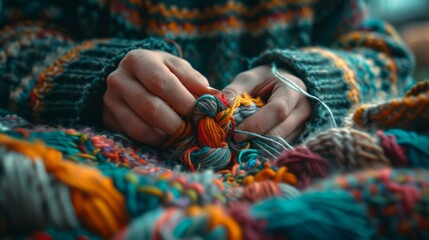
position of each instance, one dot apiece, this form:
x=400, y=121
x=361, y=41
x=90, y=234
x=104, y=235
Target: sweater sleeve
x=353, y=59
x=53, y=70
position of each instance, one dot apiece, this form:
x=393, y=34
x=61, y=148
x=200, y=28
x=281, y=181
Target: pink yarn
x=305, y=164
x=392, y=150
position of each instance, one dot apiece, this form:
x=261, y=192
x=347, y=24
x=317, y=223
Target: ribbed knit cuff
x=319, y=70
x=70, y=91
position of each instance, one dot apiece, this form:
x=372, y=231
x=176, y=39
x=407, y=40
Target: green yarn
x=315, y=215
x=417, y=146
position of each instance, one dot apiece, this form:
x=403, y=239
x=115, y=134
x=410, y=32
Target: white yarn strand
x=295, y=87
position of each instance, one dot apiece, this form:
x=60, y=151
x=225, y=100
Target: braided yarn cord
x=344, y=183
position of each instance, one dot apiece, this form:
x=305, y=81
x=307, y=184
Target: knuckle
x=131, y=56
x=136, y=55
x=160, y=81
x=179, y=62
x=113, y=78
x=151, y=106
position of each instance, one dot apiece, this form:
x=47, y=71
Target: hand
x=285, y=112
x=148, y=92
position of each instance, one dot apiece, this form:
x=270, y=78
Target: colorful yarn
x=144, y=193
x=96, y=202
x=409, y=113
x=207, y=140
x=210, y=222
x=346, y=150
x=338, y=149
x=163, y=204
x=253, y=195
x=258, y=191
x=121, y=189
x=395, y=199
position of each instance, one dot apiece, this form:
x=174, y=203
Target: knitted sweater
x=56, y=55
x=355, y=182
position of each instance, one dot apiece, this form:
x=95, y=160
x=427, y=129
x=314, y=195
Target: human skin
x=150, y=90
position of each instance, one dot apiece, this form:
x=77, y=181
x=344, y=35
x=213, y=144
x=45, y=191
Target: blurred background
x=411, y=19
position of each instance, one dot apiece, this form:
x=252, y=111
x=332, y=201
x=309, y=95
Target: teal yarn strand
x=208, y=105
x=332, y=214
x=417, y=146
x=138, y=202
x=211, y=158
x=246, y=156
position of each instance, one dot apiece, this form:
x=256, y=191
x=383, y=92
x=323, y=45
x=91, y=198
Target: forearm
x=49, y=78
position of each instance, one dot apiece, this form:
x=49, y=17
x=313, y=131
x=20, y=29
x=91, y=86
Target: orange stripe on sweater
x=220, y=10
x=232, y=23
x=348, y=74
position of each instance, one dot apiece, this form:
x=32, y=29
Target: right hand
x=148, y=92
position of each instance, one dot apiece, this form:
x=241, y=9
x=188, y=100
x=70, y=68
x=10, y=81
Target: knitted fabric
x=54, y=65
x=63, y=177
x=343, y=183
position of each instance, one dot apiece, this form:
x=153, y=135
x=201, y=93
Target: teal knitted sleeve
x=47, y=73
x=353, y=59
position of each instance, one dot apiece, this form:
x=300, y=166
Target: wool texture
x=63, y=176
x=343, y=183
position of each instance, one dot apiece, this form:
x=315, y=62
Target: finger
x=137, y=128
x=287, y=127
x=193, y=80
x=149, y=107
x=263, y=120
x=163, y=83
x=280, y=105
x=110, y=122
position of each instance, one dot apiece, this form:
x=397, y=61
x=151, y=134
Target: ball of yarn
x=305, y=164
x=206, y=141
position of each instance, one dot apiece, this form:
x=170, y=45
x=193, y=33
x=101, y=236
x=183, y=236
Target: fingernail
x=213, y=90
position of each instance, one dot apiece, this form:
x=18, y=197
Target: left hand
x=285, y=111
